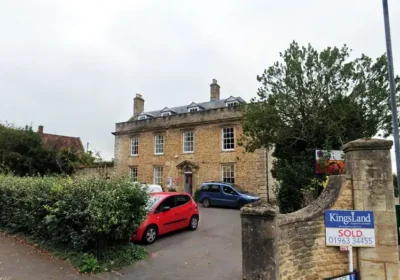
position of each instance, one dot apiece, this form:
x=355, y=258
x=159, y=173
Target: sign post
x=397, y=207
x=351, y=269
x=349, y=228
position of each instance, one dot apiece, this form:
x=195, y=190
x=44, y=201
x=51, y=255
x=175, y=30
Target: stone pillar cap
x=368, y=144
x=259, y=209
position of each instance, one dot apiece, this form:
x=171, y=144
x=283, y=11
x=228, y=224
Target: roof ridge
x=60, y=135
x=207, y=105
x=198, y=103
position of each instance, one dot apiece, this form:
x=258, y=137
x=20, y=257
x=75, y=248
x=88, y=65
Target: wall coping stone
x=259, y=208
x=368, y=144
x=327, y=198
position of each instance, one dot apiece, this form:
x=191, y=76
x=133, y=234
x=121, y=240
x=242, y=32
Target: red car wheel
x=150, y=234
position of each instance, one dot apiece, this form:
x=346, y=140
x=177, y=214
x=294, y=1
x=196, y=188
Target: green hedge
x=196, y=195
x=78, y=213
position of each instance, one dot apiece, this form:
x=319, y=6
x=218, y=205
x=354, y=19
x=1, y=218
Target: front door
x=188, y=183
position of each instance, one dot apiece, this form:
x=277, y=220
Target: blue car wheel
x=206, y=203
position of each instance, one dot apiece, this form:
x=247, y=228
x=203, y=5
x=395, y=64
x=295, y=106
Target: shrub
x=24, y=153
x=171, y=190
x=294, y=178
x=83, y=214
x=89, y=263
x=196, y=195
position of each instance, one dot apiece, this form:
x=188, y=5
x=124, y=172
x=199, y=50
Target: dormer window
x=167, y=112
x=232, y=104
x=193, y=109
x=144, y=116
x=233, y=101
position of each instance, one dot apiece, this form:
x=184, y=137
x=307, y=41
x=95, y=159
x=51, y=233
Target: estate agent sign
x=349, y=228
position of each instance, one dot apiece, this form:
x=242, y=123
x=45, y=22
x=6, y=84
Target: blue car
x=224, y=194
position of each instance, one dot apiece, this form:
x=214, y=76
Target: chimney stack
x=40, y=130
x=138, y=104
x=214, y=90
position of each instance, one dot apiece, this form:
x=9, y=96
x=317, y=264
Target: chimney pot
x=40, y=130
x=214, y=90
x=138, y=104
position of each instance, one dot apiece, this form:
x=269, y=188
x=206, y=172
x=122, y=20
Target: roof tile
x=57, y=142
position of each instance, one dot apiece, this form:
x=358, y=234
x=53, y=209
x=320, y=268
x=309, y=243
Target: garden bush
x=84, y=214
x=196, y=195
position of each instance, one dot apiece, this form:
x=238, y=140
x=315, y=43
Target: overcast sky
x=75, y=66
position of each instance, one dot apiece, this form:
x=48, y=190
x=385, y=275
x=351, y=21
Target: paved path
x=21, y=261
x=212, y=252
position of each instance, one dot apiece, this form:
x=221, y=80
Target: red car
x=168, y=211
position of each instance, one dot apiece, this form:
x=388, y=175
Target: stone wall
x=261, y=175
x=301, y=253
x=102, y=171
x=370, y=167
x=302, y=250
x=265, y=181
x=271, y=182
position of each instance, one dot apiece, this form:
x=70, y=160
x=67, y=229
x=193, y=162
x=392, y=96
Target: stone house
x=181, y=147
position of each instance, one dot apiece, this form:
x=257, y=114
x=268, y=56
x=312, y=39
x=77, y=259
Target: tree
x=22, y=152
x=313, y=100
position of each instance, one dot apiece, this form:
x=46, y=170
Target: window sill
x=158, y=154
x=133, y=155
x=224, y=151
x=185, y=153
